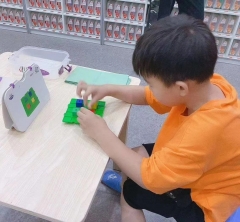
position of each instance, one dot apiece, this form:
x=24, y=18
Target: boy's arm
x=130, y=94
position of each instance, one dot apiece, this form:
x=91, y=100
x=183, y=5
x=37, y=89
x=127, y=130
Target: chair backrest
x=235, y=216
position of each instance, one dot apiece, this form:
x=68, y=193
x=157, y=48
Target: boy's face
x=169, y=96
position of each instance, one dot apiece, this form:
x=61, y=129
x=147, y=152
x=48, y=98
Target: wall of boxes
x=113, y=22
x=223, y=18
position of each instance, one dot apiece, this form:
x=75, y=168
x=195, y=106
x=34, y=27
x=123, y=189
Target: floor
x=141, y=118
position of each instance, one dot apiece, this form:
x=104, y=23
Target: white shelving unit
x=12, y=16
x=223, y=18
x=113, y=22
x=124, y=22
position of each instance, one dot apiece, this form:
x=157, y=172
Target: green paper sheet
x=96, y=77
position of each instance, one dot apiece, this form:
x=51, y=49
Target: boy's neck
x=201, y=94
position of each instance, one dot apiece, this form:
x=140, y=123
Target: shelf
x=135, y=1
x=221, y=11
x=222, y=35
x=11, y=6
x=47, y=30
x=122, y=21
x=229, y=57
x=12, y=24
x=237, y=37
x=120, y=41
x=44, y=10
x=77, y=15
x=83, y=35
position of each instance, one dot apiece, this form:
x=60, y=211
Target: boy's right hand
x=97, y=92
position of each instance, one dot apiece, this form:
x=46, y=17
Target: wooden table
x=53, y=170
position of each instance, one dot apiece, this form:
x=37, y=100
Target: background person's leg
x=165, y=8
x=194, y=8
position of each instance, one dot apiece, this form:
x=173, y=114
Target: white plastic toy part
x=25, y=99
x=52, y=62
x=4, y=84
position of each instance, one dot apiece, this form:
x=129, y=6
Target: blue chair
x=235, y=216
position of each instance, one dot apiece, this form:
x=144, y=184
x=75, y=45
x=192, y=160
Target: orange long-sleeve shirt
x=201, y=152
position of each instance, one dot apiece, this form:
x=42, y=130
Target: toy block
x=70, y=116
x=79, y=103
x=73, y=101
x=95, y=105
x=75, y=111
x=67, y=119
x=75, y=120
x=100, y=112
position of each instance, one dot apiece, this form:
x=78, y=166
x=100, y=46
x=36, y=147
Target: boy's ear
x=182, y=88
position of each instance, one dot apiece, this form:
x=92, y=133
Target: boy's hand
x=97, y=92
x=92, y=124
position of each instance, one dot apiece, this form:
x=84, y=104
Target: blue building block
x=79, y=103
x=235, y=216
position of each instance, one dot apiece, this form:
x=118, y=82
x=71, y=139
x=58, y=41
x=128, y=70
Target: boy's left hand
x=91, y=123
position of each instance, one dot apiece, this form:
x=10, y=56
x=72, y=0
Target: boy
x=192, y=173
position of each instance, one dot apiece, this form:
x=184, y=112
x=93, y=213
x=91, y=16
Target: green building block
x=30, y=102
x=70, y=116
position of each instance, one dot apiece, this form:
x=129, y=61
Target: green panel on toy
x=76, y=104
x=30, y=101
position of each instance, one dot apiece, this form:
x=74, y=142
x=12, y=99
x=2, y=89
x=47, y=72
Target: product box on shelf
x=34, y=19
x=227, y=4
x=77, y=25
x=40, y=19
x=90, y=27
x=46, y=4
x=4, y=14
x=23, y=18
x=131, y=33
x=222, y=23
x=98, y=7
x=76, y=6
x=117, y=9
x=238, y=30
x=32, y=3
x=138, y=33
x=83, y=6
x=133, y=12
x=84, y=26
x=52, y=4
x=235, y=48
x=207, y=18
x=123, y=32
x=90, y=7
x=54, y=19
x=116, y=31
x=223, y=47
x=18, y=17
x=70, y=24
x=236, y=5
x=231, y=24
x=110, y=9
x=125, y=10
x=97, y=28
x=59, y=5
x=218, y=4
x=60, y=23
x=69, y=5
x=140, y=12
x=11, y=15
x=218, y=42
x=47, y=20
x=214, y=22
x=39, y=4
x=109, y=30
x=210, y=3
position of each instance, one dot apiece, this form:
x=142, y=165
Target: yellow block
x=94, y=106
x=33, y=100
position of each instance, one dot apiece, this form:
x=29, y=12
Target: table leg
x=123, y=138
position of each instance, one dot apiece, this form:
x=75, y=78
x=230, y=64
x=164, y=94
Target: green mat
x=96, y=77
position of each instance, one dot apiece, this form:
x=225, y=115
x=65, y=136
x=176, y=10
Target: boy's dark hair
x=176, y=48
